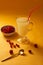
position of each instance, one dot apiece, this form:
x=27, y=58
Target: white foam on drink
x=22, y=19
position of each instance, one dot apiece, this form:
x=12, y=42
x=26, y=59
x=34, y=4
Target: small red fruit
x=8, y=40
x=14, y=46
x=35, y=45
x=30, y=51
x=11, y=46
x=10, y=43
x=17, y=45
x=11, y=52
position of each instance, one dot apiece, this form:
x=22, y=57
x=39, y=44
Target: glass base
x=24, y=40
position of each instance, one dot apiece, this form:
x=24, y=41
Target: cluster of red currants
x=7, y=29
x=12, y=45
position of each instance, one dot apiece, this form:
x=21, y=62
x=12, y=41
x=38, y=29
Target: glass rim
x=22, y=19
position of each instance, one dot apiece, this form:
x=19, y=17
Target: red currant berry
x=12, y=43
x=17, y=45
x=11, y=52
x=14, y=46
x=30, y=51
x=8, y=40
x=11, y=46
x=35, y=45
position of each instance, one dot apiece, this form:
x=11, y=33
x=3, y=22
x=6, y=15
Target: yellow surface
x=8, y=16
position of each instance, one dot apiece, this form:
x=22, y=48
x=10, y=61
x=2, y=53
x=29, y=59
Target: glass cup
x=23, y=25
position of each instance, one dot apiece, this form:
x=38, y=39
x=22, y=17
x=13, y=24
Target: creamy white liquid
x=22, y=24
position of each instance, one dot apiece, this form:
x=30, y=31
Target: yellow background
x=9, y=11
